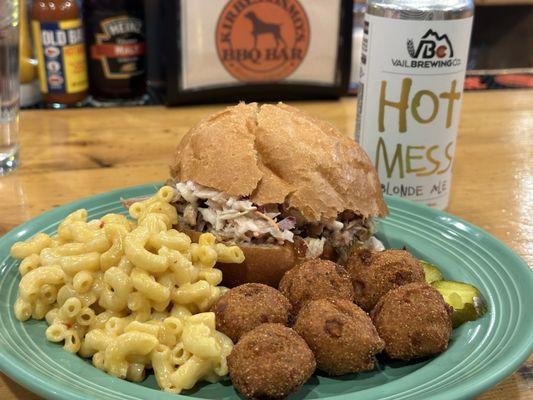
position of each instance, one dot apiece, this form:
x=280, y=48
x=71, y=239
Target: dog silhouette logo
x=262, y=40
x=260, y=28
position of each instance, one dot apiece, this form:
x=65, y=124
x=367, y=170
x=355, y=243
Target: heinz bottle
x=115, y=31
x=413, y=64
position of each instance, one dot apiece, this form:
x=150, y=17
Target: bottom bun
x=262, y=263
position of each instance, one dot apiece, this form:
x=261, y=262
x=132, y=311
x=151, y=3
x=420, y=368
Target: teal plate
x=481, y=353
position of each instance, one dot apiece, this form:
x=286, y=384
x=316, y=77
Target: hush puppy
x=244, y=307
x=374, y=273
x=315, y=279
x=414, y=321
x=340, y=334
x=269, y=362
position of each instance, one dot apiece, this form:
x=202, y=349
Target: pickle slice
x=467, y=302
x=432, y=273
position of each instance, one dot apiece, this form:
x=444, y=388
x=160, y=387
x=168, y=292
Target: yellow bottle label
x=60, y=50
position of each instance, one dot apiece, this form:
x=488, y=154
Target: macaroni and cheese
x=130, y=294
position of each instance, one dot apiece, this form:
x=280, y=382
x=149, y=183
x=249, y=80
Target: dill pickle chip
x=467, y=302
x=431, y=272
x=455, y=301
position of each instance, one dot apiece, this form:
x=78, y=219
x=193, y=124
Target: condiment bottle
x=60, y=49
x=115, y=32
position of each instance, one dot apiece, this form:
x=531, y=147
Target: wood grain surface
x=70, y=154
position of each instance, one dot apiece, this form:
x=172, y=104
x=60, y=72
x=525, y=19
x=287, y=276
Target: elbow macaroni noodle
x=133, y=295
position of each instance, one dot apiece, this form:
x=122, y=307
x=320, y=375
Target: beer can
x=413, y=63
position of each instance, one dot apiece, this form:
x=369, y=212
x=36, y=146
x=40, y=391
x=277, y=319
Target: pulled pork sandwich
x=279, y=183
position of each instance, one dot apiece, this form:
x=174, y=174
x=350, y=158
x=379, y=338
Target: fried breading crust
x=247, y=306
x=340, y=334
x=315, y=279
x=414, y=321
x=270, y=362
x=374, y=273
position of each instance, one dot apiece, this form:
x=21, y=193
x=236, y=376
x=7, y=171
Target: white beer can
x=413, y=63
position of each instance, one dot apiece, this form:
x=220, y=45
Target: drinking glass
x=9, y=85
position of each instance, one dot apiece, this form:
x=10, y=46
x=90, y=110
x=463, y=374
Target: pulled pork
x=239, y=220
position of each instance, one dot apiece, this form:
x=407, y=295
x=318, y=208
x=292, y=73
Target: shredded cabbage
x=233, y=219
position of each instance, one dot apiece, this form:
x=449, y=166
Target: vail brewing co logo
x=432, y=51
x=262, y=40
x=430, y=45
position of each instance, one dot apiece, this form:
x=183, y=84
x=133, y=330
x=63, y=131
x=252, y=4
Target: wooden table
x=68, y=155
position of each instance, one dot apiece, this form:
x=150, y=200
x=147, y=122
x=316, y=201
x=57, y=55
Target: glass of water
x=9, y=85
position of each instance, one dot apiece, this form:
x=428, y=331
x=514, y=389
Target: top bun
x=279, y=154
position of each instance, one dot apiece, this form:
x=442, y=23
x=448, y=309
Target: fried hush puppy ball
x=374, y=273
x=340, y=334
x=315, y=279
x=414, y=321
x=247, y=306
x=269, y=362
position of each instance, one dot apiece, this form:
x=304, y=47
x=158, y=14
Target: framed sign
x=257, y=49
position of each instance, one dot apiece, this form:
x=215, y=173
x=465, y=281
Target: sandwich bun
x=277, y=154
x=262, y=263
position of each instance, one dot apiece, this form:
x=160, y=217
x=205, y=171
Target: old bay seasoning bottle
x=60, y=49
x=115, y=32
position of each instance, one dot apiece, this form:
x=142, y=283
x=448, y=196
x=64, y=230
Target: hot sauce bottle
x=115, y=31
x=60, y=48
